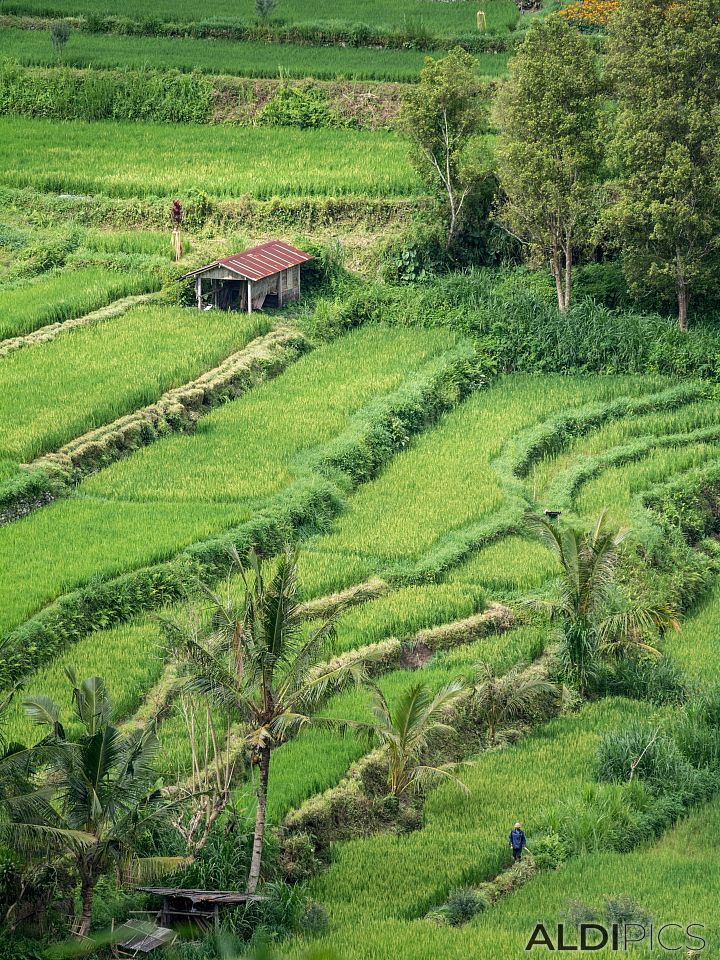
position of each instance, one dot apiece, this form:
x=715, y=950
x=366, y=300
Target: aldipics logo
x=668, y=937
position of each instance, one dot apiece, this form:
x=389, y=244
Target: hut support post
x=280, y=288
x=198, y=291
x=249, y=296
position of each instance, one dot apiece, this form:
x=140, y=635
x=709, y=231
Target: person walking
x=517, y=841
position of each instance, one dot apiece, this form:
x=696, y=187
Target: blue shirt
x=517, y=839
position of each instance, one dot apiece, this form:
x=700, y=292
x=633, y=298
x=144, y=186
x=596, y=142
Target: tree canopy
x=549, y=148
x=664, y=61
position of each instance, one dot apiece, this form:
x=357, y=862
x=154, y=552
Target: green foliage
x=548, y=153
x=663, y=61
x=220, y=161
x=59, y=34
x=304, y=105
x=462, y=905
x=444, y=118
x=151, y=95
x=549, y=852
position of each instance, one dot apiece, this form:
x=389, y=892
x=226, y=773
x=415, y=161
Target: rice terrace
x=359, y=479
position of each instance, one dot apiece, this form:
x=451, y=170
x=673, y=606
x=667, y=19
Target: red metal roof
x=259, y=262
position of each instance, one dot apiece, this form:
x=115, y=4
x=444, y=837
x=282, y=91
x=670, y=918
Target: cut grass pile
x=445, y=19
x=168, y=495
x=95, y=374
x=145, y=159
x=65, y=295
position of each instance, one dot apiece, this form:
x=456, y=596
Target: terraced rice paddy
x=245, y=59
x=168, y=495
x=399, y=518
x=141, y=160
x=405, y=14
x=65, y=295
x=462, y=841
x=674, y=880
x=95, y=374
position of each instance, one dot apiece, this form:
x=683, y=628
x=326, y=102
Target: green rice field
x=64, y=295
x=144, y=160
x=438, y=19
x=214, y=494
x=96, y=374
x=245, y=59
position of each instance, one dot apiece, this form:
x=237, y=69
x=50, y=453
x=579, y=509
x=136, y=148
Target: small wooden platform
x=200, y=907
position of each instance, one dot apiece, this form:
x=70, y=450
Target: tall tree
x=102, y=784
x=664, y=63
x=257, y=663
x=444, y=117
x=549, y=153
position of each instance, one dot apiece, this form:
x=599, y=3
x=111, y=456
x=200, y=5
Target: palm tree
x=102, y=785
x=524, y=692
x=257, y=664
x=587, y=599
x=406, y=732
x=28, y=821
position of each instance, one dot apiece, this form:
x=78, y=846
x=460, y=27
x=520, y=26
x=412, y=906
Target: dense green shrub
x=462, y=905
x=65, y=94
x=303, y=105
x=657, y=680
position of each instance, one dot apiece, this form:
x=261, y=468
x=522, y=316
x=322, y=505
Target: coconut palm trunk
x=87, y=895
x=256, y=861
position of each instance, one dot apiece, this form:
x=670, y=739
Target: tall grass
x=145, y=159
x=95, y=374
x=64, y=296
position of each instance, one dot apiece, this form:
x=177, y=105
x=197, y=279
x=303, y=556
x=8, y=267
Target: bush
x=412, y=255
x=303, y=105
x=549, y=852
x=578, y=912
x=165, y=96
x=657, y=680
x=462, y=905
x=622, y=910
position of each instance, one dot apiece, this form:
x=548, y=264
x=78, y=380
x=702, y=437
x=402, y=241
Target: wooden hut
x=266, y=275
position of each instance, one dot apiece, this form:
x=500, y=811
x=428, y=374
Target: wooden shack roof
x=203, y=896
x=258, y=262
